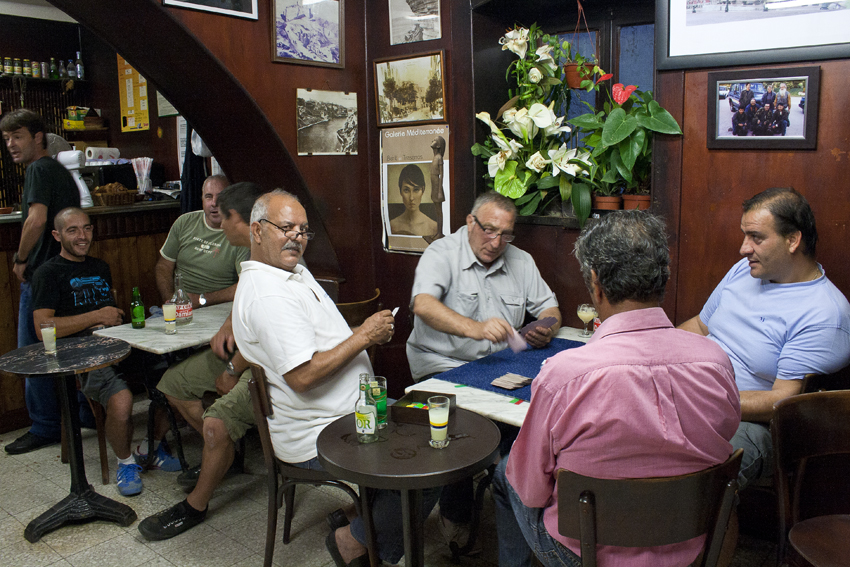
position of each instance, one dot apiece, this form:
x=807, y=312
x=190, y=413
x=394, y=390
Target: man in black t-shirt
x=74, y=290
x=48, y=188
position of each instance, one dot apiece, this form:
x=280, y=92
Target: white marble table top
x=206, y=322
x=495, y=406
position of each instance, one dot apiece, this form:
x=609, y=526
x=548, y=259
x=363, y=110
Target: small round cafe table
x=403, y=460
x=74, y=356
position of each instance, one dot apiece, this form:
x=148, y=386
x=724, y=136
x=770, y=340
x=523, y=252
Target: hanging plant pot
x=603, y=203
x=639, y=202
x=573, y=75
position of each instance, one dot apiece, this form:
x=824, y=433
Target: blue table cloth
x=479, y=373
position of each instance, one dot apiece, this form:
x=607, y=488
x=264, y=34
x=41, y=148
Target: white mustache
x=292, y=246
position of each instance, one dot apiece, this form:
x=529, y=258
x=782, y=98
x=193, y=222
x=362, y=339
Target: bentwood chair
x=356, y=312
x=647, y=512
x=100, y=426
x=283, y=477
x=809, y=430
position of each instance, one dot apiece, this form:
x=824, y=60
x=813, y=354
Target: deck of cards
x=511, y=381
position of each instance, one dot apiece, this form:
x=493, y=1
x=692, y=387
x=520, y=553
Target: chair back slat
x=645, y=512
x=839, y=380
x=262, y=409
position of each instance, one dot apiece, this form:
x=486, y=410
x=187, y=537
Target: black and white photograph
x=718, y=33
x=414, y=186
x=309, y=32
x=770, y=108
x=414, y=20
x=326, y=122
x=410, y=89
x=238, y=8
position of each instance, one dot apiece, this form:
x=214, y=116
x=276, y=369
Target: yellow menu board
x=133, y=91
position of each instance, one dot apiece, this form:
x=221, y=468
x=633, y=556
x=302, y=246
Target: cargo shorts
x=100, y=385
x=192, y=378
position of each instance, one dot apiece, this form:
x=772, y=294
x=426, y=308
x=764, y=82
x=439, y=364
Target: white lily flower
x=510, y=147
x=561, y=158
x=496, y=163
x=541, y=115
x=535, y=76
x=522, y=125
x=509, y=115
x=485, y=118
x=537, y=162
x=515, y=41
x=556, y=127
x=544, y=54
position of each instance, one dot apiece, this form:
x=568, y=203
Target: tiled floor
x=232, y=535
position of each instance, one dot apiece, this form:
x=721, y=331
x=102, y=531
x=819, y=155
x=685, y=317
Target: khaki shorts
x=100, y=385
x=192, y=378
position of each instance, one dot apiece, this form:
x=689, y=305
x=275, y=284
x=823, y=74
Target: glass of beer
x=438, y=415
x=48, y=336
x=586, y=312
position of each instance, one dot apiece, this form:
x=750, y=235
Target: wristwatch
x=202, y=300
x=18, y=260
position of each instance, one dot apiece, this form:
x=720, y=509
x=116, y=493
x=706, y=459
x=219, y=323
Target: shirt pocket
x=513, y=308
x=466, y=303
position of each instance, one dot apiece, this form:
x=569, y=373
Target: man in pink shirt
x=641, y=399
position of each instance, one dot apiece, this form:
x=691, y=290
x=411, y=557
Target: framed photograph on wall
x=410, y=90
x=308, y=33
x=712, y=33
x=414, y=20
x=763, y=108
x=326, y=122
x=237, y=8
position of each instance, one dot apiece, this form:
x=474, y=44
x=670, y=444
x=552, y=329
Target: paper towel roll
x=71, y=158
x=102, y=153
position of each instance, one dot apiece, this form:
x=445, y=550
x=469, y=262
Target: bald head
x=278, y=222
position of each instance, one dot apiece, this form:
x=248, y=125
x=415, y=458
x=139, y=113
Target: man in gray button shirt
x=471, y=291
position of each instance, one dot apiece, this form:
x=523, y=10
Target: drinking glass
x=169, y=313
x=438, y=415
x=48, y=336
x=378, y=384
x=586, y=312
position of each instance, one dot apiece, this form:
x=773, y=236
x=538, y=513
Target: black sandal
x=337, y=519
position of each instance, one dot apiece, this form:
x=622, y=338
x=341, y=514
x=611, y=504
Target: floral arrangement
x=527, y=149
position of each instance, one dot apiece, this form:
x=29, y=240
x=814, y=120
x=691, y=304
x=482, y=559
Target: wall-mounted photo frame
x=308, y=34
x=763, y=108
x=326, y=122
x=414, y=21
x=410, y=90
x=236, y=8
x=713, y=33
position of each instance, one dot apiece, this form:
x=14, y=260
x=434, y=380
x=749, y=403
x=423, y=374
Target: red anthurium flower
x=621, y=94
x=604, y=78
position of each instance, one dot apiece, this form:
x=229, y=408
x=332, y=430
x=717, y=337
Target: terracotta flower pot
x=573, y=77
x=639, y=202
x=603, y=203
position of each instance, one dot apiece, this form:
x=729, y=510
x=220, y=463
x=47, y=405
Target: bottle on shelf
x=45, y=70
x=79, y=66
x=54, y=70
x=72, y=70
x=61, y=67
x=184, y=304
x=27, y=68
x=366, y=413
x=8, y=69
x=17, y=67
x=137, y=310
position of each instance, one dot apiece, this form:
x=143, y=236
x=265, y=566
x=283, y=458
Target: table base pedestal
x=78, y=507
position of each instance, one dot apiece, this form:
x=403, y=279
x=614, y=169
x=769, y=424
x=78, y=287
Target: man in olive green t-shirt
x=197, y=248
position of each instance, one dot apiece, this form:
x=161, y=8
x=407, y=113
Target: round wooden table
x=74, y=356
x=403, y=460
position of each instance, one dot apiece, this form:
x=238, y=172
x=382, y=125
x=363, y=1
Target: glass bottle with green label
x=137, y=310
x=366, y=413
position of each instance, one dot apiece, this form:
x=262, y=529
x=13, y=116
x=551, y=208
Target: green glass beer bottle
x=137, y=310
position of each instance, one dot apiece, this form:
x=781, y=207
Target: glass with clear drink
x=48, y=336
x=438, y=415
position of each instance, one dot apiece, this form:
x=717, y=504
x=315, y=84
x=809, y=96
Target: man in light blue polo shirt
x=777, y=316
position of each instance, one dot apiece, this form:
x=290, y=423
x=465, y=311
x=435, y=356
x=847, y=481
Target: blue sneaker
x=162, y=459
x=129, y=481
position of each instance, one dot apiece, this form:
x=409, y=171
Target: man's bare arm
x=213, y=297
x=164, y=271
x=376, y=330
x=30, y=233
x=694, y=325
x=108, y=316
x=441, y=318
x=757, y=405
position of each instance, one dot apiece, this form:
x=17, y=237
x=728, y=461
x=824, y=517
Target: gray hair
x=261, y=206
x=497, y=199
x=629, y=253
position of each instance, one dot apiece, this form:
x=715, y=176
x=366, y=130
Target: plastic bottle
x=71, y=69
x=184, y=305
x=61, y=67
x=137, y=310
x=366, y=413
x=79, y=65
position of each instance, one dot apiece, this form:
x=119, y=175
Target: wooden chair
x=647, y=512
x=839, y=380
x=804, y=427
x=290, y=476
x=358, y=311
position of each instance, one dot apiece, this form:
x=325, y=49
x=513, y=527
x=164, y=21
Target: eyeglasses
x=290, y=233
x=492, y=234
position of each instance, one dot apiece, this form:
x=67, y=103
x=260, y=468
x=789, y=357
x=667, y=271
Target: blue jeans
x=757, y=461
x=521, y=531
x=41, y=399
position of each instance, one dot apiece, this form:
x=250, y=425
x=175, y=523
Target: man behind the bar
x=74, y=290
x=777, y=316
x=471, y=291
x=198, y=249
x=48, y=188
x=641, y=399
